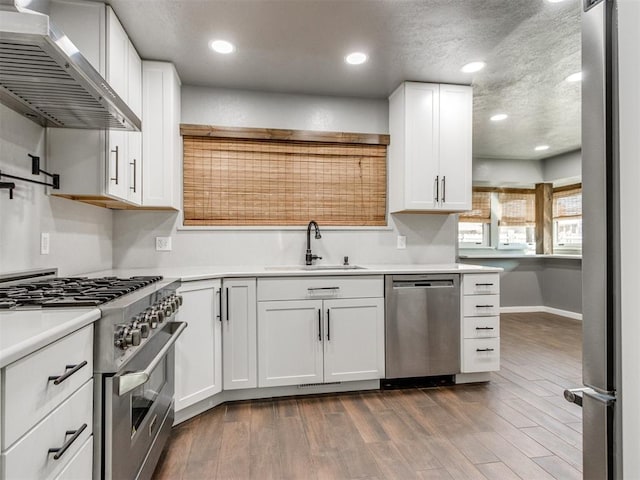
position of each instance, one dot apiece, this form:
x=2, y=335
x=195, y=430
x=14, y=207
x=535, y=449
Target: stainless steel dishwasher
x=422, y=325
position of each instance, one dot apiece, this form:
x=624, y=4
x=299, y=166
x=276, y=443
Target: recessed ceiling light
x=473, y=67
x=356, y=58
x=541, y=148
x=574, y=77
x=222, y=46
x=498, y=117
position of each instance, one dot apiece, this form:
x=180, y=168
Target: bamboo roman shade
x=567, y=202
x=481, y=209
x=240, y=181
x=518, y=208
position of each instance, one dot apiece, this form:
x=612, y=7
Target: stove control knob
x=135, y=337
x=179, y=297
x=121, y=338
x=160, y=314
x=144, y=329
x=168, y=308
x=176, y=304
x=153, y=319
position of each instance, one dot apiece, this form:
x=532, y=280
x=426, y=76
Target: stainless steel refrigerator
x=601, y=242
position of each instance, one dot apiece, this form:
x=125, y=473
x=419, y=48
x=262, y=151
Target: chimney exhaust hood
x=44, y=77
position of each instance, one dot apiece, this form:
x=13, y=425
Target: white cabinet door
x=354, y=339
x=134, y=78
x=455, y=147
x=162, y=143
x=198, y=356
x=290, y=350
x=239, y=337
x=422, y=138
x=117, y=55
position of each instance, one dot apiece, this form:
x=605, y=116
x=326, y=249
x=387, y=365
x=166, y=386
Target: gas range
x=69, y=291
x=133, y=356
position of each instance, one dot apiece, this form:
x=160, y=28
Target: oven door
x=139, y=408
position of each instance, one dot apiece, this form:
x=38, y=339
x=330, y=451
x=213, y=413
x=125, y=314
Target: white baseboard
x=554, y=311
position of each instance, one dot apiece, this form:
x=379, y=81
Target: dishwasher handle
x=445, y=283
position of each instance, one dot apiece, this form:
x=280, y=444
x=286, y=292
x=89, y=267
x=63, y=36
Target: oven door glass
x=144, y=396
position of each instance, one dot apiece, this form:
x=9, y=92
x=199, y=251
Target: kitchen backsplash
x=79, y=235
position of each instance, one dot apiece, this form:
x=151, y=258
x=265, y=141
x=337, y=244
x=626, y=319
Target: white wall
x=507, y=173
x=430, y=238
x=563, y=169
x=80, y=234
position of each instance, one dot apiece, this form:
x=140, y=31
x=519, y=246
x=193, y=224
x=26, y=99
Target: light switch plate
x=163, y=244
x=402, y=242
x=44, y=243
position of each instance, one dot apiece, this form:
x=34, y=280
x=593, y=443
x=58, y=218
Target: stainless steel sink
x=283, y=268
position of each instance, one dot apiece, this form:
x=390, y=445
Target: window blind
x=239, y=181
x=567, y=202
x=518, y=209
x=480, y=209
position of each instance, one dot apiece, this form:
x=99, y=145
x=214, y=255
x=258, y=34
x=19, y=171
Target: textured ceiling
x=298, y=46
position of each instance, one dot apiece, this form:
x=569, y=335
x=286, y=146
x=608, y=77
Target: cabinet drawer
x=481, y=305
x=480, y=355
x=481, y=284
x=81, y=465
x=28, y=458
x=481, y=327
x=302, y=288
x=28, y=395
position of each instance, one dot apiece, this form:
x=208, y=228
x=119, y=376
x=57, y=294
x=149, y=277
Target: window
x=516, y=227
x=243, y=177
x=567, y=218
x=474, y=229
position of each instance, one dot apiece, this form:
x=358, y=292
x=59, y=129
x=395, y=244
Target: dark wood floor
x=516, y=426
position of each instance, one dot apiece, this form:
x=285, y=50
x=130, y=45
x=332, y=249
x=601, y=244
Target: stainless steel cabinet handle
x=219, y=295
x=484, y=284
x=484, y=306
x=437, y=197
x=444, y=187
x=311, y=289
x=484, y=349
x=61, y=450
x=70, y=370
x=484, y=328
x=319, y=325
x=126, y=383
x=135, y=179
x=328, y=324
x=116, y=151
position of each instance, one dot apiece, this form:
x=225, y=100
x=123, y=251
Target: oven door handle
x=127, y=382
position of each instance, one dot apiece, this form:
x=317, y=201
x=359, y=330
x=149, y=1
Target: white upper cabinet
x=161, y=140
x=98, y=166
x=430, y=150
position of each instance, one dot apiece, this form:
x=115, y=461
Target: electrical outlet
x=44, y=244
x=163, y=244
x=402, y=242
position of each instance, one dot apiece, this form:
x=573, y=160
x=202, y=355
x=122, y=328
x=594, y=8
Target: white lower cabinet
x=480, y=323
x=291, y=342
x=198, y=354
x=320, y=340
x=81, y=465
x=239, y=347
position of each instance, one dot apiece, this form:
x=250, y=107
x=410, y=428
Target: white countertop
x=499, y=256
x=24, y=331
x=188, y=274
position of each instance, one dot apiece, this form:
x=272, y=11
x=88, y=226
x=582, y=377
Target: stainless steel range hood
x=44, y=77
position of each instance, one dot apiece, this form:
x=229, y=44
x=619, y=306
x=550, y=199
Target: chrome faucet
x=309, y=257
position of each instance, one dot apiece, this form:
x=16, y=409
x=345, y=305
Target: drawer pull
x=484, y=349
x=484, y=284
x=75, y=434
x=328, y=325
x=319, y=325
x=484, y=306
x=484, y=328
x=311, y=289
x=70, y=370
